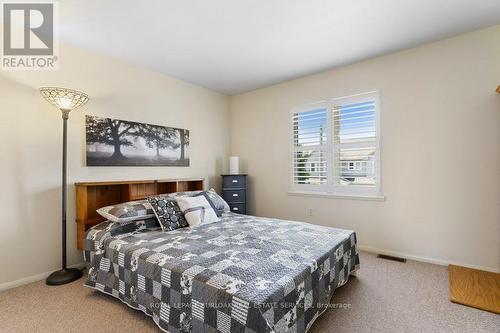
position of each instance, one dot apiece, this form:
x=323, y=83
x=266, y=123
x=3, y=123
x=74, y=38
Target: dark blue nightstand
x=234, y=191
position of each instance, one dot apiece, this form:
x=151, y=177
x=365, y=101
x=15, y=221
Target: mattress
x=242, y=274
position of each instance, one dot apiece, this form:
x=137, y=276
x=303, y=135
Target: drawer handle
x=235, y=194
x=235, y=180
x=235, y=208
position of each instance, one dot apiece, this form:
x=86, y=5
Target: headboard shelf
x=91, y=196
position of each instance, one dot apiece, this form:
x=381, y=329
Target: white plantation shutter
x=355, y=145
x=343, y=158
x=310, y=147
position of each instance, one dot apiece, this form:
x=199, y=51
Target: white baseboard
x=33, y=278
x=424, y=259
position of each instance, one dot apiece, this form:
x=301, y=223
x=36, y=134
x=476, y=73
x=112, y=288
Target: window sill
x=337, y=196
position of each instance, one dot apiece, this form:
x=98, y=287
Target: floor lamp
x=66, y=100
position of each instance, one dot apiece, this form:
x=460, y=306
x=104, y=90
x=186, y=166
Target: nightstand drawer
x=235, y=196
x=239, y=208
x=235, y=181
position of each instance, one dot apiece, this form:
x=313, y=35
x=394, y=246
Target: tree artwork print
x=113, y=142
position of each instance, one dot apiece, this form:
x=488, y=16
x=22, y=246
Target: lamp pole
x=65, y=116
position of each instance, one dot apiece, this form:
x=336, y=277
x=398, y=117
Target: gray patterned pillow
x=218, y=204
x=168, y=213
x=127, y=211
x=182, y=194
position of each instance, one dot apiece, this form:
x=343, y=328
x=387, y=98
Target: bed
x=242, y=274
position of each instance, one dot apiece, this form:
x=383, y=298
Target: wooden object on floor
x=93, y=195
x=475, y=288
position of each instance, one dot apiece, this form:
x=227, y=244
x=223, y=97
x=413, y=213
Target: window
x=336, y=146
x=310, y=147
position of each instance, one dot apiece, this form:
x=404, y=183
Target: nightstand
x=234, y=191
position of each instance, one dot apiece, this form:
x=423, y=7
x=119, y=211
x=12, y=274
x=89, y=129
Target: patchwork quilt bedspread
x=242, y=274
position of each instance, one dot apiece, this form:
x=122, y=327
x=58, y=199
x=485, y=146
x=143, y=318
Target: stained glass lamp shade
x=64, y=99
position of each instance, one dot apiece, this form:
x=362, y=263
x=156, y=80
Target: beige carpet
x=386, y=296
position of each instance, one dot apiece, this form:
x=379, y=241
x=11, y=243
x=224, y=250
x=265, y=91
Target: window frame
x=330, y=149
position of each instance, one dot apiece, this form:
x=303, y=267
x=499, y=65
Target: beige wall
x=30, y=141
x=440, y=150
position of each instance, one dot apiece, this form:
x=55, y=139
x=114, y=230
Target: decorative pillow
x=168, y=213
x=182, y=194
x=127, y=211
x=197, y=210
x=218, y=204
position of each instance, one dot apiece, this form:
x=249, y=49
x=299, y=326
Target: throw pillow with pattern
x=127, y=211
x=197, y=210
x=182, y=194
x=215, y=200
x=168, y=213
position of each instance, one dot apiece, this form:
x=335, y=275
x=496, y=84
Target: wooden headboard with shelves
x=91, y=196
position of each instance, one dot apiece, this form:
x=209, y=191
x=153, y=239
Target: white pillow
x=197, y=210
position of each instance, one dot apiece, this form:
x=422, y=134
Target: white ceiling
x=233, y=46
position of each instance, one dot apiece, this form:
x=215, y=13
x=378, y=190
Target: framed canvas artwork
x=113, y=142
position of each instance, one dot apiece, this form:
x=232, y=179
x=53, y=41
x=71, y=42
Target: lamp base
x=63, y=276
